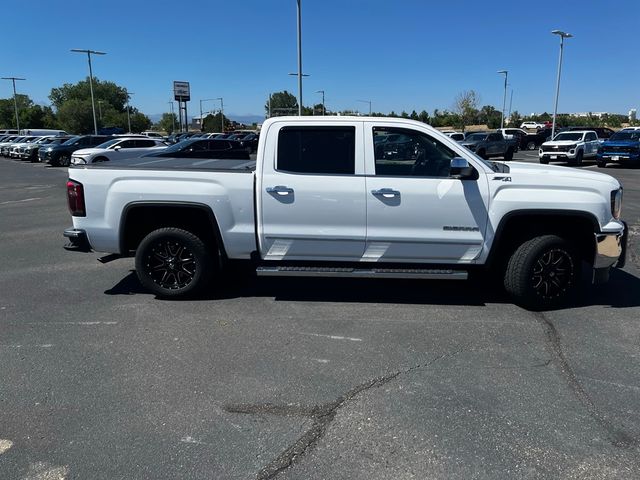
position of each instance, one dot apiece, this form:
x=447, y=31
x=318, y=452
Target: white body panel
x=336, y=217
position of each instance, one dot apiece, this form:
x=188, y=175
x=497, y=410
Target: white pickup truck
x=356, y=197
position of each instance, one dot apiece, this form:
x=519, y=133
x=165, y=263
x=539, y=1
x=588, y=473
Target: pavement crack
x=322, y=416
x=618, y=437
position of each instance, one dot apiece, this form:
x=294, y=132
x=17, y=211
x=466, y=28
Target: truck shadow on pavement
x=622, y=291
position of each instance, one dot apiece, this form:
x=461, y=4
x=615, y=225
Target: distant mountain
x=246, y=119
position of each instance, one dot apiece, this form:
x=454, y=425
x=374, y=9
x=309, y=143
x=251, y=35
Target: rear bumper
x=78, y=241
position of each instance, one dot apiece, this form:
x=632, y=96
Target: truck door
x=415, y=211
x=311, y=196
x=496, y=144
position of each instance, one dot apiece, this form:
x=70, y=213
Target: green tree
x=108, y=92
x=167, y=123
x=466, y=106
x=212, y=123
x=75, y=115
x=515, y=120
x=424, y=117
x=282, y=103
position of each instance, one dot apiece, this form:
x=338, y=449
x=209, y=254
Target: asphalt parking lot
x=302, y=378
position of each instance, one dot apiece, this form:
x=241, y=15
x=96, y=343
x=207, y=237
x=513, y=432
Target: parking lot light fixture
x=221, y=113
x=504, y=97
x=324, y=110
x=128, y=109
x=15, y=98
x=369, y=102
x=202, y=119
x=93, y=103
x=173, y=117
x=562, y=36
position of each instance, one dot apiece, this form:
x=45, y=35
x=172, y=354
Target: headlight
x=616, y=203
x=78, y=161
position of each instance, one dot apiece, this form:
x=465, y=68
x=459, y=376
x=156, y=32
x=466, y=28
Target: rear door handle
x=386, y=193
x=280, y=190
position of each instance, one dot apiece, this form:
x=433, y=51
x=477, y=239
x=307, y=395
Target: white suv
x=117, y=149
x=572, y=147
x=532, y=125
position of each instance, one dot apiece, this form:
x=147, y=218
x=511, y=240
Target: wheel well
x=513, y=231
x=140, y=220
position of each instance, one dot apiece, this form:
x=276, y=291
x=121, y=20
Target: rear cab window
x=321, y=150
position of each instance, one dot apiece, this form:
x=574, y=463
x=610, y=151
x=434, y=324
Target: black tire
x=509, y=155
x=578, y=160
x=171, y=262
x=601, y=163
x=543, y=272
x=531, y=145
x=64, y=160
x=544, y=161
x=482, y=154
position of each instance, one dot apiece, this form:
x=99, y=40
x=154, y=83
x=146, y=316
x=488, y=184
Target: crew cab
x=526, y=140
x=322, y=199
x=571, y=147
x=490, y=144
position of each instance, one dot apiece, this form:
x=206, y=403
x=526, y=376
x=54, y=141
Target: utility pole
x=93, y=103
x=324, y=110
x=562, y=35
x=173, y=118
x=128, y=109
x=504, y=98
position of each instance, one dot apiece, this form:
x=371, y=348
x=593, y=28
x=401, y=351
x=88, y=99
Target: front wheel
x=482, y=154
x=601, y=163
x=64, y=160
x=509, y=155
x=542, y=272
x=578, y=161
x=531, y=145
x=544, y=161
x=171, y=262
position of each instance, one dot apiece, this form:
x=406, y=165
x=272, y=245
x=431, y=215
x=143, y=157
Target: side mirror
x=117, y=147
x=460, y=168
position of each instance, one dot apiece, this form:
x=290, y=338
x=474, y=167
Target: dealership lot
x=312, y=378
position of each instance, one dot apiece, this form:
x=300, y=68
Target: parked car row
x=248, y=140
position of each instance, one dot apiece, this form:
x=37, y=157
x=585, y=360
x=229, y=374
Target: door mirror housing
x=117, y=147
x=461, y=169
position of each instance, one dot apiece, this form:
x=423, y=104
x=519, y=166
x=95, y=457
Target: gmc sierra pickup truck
x=356, y=197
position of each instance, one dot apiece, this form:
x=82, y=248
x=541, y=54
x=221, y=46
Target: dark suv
x=60, y=155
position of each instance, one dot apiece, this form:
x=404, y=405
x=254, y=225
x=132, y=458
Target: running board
x=423, y=274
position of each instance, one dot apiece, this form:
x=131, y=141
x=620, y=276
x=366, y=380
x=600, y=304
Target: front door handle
x=280, y=190
x=386, y=193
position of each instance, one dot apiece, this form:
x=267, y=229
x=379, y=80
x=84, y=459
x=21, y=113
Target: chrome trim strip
x=362, y=273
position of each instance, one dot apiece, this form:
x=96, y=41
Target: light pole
x=15, y=98
x=128, y=113
x=299, y=59
x=504, y=98
x=173, y=118
x=202, y=119
x=93, y=104
x=369, y=102
x=562, y=35
x=221, y=113
x=324, y=110
x=100, y=102
x=299, y=75
x=510, y=102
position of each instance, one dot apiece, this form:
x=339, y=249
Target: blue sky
x=401, y=55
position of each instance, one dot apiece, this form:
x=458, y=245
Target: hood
x=558, y=172
x=553, y=143
x=621, y=143
x=88, y=151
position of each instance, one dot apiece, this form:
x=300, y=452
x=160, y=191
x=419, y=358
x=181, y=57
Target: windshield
x=633, y=136
x=568, y=136
x=72, y=141
x=476, y=137
x=177, y=147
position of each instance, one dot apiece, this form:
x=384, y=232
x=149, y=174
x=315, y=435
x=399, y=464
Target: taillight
x=75, y=196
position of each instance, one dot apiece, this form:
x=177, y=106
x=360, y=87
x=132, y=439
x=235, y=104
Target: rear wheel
x=531, y=145
x=542, y=272
x=171, y=262
x=482, y=154
x=601, y=163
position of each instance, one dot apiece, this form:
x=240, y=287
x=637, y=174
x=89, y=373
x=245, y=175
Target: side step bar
x=424, y=274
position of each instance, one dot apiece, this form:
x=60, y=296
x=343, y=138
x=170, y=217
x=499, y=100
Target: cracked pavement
x=301, y=379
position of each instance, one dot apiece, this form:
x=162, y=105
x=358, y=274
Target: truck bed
x=170, y=163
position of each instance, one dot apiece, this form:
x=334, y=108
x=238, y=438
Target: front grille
x=557, y=148
x=621, y=150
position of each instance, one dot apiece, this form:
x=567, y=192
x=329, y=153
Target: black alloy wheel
x=531, y=145
x=172, y=262
x=542, y=272
x=64, y=160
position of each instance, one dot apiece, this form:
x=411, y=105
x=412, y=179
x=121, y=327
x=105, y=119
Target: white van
x=41, y=132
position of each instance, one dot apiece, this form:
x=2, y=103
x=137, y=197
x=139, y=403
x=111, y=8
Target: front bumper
x=78, y=240
x=611, y=249
x=618, y=157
